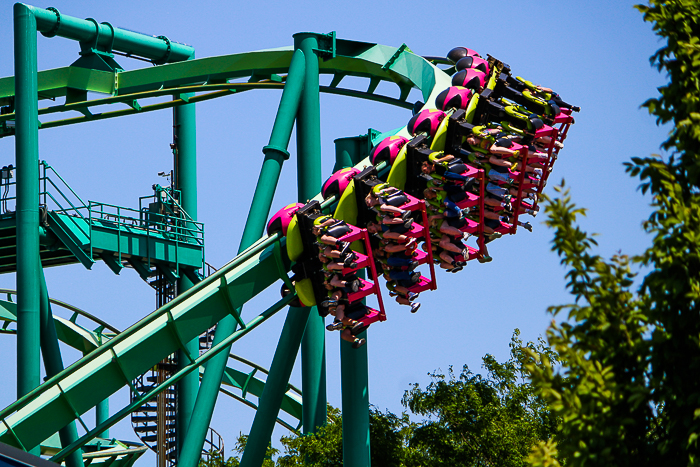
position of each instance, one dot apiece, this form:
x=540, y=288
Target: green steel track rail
x=210, y=75
x=66, y=396
x=82, y=339
x=113, y=365
x=39, y=414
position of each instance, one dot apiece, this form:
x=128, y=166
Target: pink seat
x=417, y=231
x=473, y=254
x=354, y=234
x=471, y=227
x=563, y=118
x=372, y=316
x=413, y=204
x=420, y=256
x=366, y=288
x=504, y=228
x=545, y=131
x=362, y=262
x=469, y=201
x=471, y=171
x=422, y=285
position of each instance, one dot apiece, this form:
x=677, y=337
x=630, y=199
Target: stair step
x=154, y=379
x=146, y=409
x=144, y=419
x=152, y=428
x=170, y=442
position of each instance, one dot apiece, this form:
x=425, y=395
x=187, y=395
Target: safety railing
x=162, y=216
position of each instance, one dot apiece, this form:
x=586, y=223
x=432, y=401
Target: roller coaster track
x=85, y=340
x=211, y=76
x=111, y=364
x=114, y=364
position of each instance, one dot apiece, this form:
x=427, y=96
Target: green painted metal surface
x=114, y=365
x=273, y=393
x=177, y=376
x=185, y=180
x=53, y=363
x=354, y=369
x=101, y=451
x=27, y=163
x=116, y=240
x=106, y=38
x=84, y=339
x=255, y=223
x=272, y=399
x=313, y=344
x=57, y=82
x=84, y=384
x=372, y=61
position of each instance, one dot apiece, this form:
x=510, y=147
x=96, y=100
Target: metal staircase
x=158, y=237
x=155, y=422
x=158, y=240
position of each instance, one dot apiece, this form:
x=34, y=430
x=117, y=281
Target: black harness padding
x=308, y=263
x=416, y=153
x=395, y=199
x=338, y=230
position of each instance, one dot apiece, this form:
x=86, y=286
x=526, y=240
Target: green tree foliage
x=216, y=459
x=325, y=448
x=628, y=391
x=672, y=288
x=601, y=391
x=474, y=420
x=469, y=420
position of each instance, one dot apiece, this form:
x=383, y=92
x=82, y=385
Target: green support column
x=185, y=180
x=275, y=154
x=344, y=149
x=353, y=362
x=275, y=386
x=313, y=345
x=53, y=363
x=101, y=415
x=27, y=163
x=355, y=404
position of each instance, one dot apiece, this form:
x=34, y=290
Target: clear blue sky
x=594, y=53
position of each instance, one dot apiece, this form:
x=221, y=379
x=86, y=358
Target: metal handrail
x=47, y=166
x=54, y=194
x=196, y=233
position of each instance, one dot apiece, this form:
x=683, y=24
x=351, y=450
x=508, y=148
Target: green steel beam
x=313, y=345
x=84, y=340
x=392, y=66
x=102, y=414
x=53, y=363
x=106, y=38
x=177, y=376
x=57, y=82
x=410, y=70
x=275, y=154
x=354, y=387
x=275, y=387
x=38, y=414
x=27, y=163
x=228, y=90
x=185, y=180
x=354, y=381
x=352, y=59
